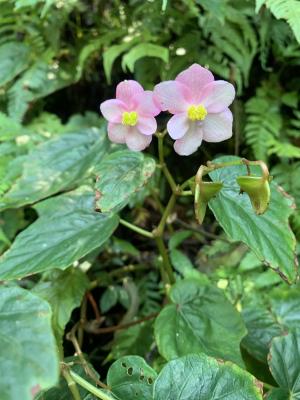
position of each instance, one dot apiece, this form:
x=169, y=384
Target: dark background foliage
x=59, y=59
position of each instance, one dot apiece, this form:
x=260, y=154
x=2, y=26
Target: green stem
x=185, y=184
x=71, y=384
x=137, y=229
x=161, y=226
x=157, y=200
x=162, y=163
x=268, y=386
x=166, y=261
x=91, y=388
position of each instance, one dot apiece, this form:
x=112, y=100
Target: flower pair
x=199, y=105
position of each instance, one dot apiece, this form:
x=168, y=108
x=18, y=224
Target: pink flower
x=131, y=115
x=200, y=108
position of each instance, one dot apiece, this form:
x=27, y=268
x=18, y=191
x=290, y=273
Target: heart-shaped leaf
x=200, y=319
x=131, y=378
x=198, y=377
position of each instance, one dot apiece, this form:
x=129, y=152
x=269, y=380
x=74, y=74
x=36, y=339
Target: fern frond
x=234, y=45
x=288, y=10
x=262, y=125
x=294, y=130
x=282, y=149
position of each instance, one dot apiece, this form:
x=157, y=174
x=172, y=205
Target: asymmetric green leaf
x=269, y=235
x=56, y=241
x=198, y=377
x=28, y=354
x=200, y=319
x=56, y=164
x=121, y=174
x=130, y=378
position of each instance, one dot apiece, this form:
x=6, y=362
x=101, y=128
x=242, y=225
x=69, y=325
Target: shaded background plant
x=58, y=61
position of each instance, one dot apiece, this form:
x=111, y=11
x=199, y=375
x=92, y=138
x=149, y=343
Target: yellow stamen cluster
x=197, y=113
x=129, y=118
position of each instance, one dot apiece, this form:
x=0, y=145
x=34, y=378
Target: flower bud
x=258, y=190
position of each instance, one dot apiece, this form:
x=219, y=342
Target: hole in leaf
x=130, y=371
x=142, y=377
x=136, y=393
x=124, y=365
x=150, y=381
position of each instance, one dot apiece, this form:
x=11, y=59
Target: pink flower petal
x=172, y=96
x=117, y=132
x=112, y=110
x=178, y=126
x=127, y=92
x=190, y=141
x=217, y=96
x=217, y=127
x=195, y=78
x=136, y=141
x=147, y=125
x=147, y=105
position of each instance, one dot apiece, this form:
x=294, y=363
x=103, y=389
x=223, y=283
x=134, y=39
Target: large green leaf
x=200, y=319
x=121, y=174
x=56, y=241
x=28, y=354
x=55, y=165
x=130, y=378
x=198, y=377
x=14, y=58
x=64, y=291
x=269, y=316
x=269, y=235
x=79, y=199
x=284, y=363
